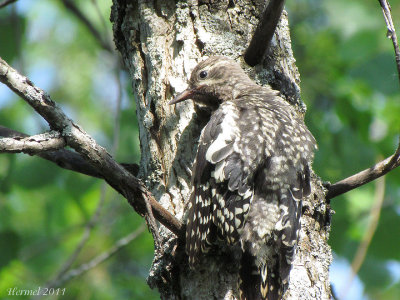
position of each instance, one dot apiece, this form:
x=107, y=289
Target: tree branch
x=96, y=216
x=118, y=177
x=6, y=2
x=265, y=31
x=389, y=163
x=65, y=159
x=365, y=176
x=34, y=144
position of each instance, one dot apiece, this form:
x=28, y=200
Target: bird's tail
x=258, y=283
x=249, y=279
x=270, y=286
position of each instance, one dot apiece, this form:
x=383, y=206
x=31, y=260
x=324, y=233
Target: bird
x=251, y=172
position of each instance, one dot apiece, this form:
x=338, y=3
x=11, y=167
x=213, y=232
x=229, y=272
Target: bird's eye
x=203, y=74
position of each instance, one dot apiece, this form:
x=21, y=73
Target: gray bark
x=161, y=42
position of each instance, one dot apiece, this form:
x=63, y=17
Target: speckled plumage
x=251, y=173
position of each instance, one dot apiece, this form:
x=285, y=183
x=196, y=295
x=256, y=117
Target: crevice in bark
x=143, y=68
x=117, y=17
x=193, y=30
x=165, y=271
x=199, y=43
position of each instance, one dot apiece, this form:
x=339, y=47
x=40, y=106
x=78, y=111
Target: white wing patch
x=219, y=173
x=226, y=138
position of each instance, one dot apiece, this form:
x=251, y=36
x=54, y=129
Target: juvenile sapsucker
x=252, y=171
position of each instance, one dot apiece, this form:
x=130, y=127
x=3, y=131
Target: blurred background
x=55, y=223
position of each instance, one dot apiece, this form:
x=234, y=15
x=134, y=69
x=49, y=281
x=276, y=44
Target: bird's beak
x=186, y=94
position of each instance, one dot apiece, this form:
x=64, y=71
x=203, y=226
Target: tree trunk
x=161, y=42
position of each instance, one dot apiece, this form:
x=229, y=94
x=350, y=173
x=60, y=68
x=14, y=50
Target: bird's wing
x=243, y=149
x=221, y=191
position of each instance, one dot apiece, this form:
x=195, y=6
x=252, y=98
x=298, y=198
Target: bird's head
x=213, y=81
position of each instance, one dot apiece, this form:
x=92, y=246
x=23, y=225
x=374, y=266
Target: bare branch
x=391, y=162
x=33, y=144
x=65, y=159
x=118, y=177
x=391, y=31
x=365, y=176
x=96, y=216
x=6, y=2
x=265, y=31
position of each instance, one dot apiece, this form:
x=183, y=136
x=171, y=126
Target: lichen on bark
x=161, y=42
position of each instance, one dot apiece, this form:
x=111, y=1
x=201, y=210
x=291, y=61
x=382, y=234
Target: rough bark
x=161, y=42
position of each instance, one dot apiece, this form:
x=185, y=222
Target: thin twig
x=119, y=178
x=100, y=258
x=70, y=5
x=366, y=241
x=85, y=237
x=33, y=144
x=391, y=31
x=151, y=221
x=102, y=20
x=6, y=2
x=264, y=32
x=117, y=112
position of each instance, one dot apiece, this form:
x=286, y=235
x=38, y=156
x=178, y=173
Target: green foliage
x=43, y=208
x=351, y=87
x=349, y=82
